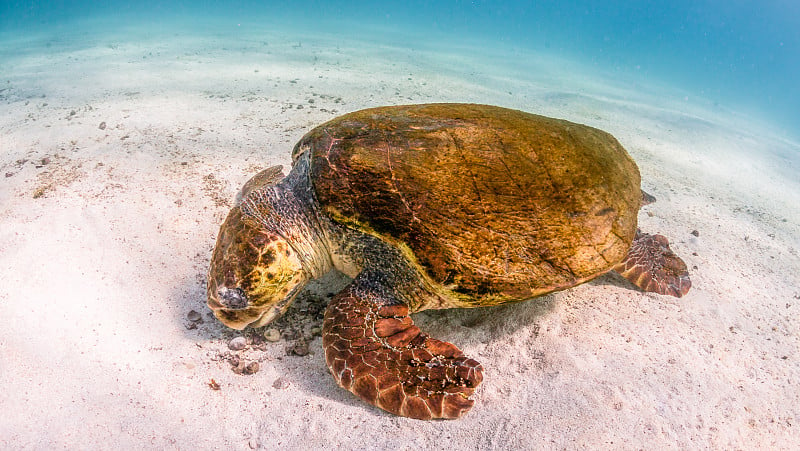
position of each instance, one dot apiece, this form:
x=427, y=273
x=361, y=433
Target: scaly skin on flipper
x=374, y=350
x=652, y=266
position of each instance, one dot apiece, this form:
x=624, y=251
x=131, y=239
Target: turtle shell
x=491, y=204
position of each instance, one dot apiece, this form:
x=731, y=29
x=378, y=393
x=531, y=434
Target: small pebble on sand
x=194, y=316
x=238, y=343
x=251, y=368
x=300, y=348
x=272, y=335
x=280, y=383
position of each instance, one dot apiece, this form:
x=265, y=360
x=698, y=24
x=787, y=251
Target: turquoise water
x=740, y=55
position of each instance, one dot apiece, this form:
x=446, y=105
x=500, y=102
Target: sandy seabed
x=121, y=153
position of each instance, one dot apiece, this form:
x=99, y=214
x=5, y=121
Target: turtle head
x=255, y=273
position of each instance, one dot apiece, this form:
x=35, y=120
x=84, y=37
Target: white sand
x=105, y=237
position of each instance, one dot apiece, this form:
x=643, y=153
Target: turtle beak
x=277, y=310
x=267, y=317
x=233, y=307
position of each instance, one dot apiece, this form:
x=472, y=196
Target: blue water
x=741, y=55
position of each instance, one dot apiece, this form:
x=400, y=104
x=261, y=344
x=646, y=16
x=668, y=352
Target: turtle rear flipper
x=652, y=266
x=373, y=349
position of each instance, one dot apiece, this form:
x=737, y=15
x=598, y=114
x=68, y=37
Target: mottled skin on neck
x=275, y=240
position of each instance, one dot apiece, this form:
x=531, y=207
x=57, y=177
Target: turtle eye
x=233, y=298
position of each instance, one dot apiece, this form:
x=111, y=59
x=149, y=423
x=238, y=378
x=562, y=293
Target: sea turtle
x=428, y=207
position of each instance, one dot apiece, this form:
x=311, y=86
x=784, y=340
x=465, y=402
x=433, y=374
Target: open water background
x=739, y=55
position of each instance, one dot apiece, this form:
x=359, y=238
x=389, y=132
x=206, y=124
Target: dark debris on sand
x=290, y=335
x=244, y=350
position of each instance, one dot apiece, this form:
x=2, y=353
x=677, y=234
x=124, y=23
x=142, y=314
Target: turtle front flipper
x=373, y=349
x=652, y=266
